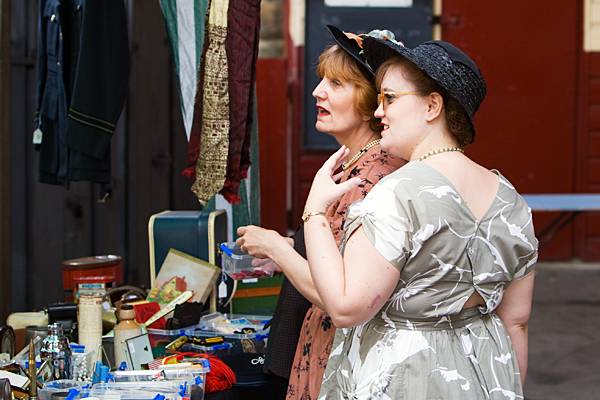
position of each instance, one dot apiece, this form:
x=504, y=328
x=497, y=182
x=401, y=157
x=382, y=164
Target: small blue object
x=77, y=348
x=105, y=374
x=85, y=391
x=205, y=363
x=101, y=373
x=96, y=374
x=123, y=366
x=159, y=397
x=38, y=364
x=72, y=394
x=182, y=389
x=221, y=346
x=226, y=249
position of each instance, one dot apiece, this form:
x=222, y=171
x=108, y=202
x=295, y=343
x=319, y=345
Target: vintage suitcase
x=196, y=233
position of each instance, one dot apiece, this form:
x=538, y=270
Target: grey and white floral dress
x=421, y=344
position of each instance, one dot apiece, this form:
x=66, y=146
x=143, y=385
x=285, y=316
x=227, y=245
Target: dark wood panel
x=78, y=220
x=109, y=231
x=20, y=123
x=148, y=132
x=46, y=230
x=271, y=87
x=5, y=159
x=182, y=197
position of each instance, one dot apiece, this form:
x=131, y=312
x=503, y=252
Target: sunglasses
x=388, y=96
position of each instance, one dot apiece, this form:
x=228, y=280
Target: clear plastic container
x=233, y=323
x=239, y=265
x=254, y=343
x=139, y=376
x=159, y=338
x=217, y=349
x=172, y=390
x=61, y=385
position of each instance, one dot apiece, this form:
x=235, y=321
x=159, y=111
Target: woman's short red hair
x=335, y=63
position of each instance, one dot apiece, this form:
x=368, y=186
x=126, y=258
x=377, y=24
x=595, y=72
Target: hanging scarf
x=243, y=19
x=214, y=138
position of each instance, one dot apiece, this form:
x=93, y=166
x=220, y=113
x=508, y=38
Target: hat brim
x=378, y=51
x=351, y=48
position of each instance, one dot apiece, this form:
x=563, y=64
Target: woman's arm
x=264, y=243
x=353, y=288
x=514, y=311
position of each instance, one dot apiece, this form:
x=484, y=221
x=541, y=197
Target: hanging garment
x=243, y=21
x=82, y=84
x=185, y=23
x=214, y=138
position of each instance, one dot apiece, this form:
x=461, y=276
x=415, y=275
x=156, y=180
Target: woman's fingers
x=341, y=159
x=335, y=160
x=347, y=185
x=337, y=176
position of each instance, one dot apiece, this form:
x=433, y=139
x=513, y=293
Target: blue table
x=570, y=205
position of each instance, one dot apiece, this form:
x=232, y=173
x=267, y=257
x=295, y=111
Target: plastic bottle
x=125, y=329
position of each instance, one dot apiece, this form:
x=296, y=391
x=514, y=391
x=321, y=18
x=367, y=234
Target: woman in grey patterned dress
x=433, y=279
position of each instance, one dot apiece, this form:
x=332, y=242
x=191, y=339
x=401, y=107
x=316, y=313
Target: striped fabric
x=185, y=22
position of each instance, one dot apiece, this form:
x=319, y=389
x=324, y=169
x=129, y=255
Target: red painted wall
x=527, y=126
x=587, y=229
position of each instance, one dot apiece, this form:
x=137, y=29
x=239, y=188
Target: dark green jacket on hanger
x=82, y=84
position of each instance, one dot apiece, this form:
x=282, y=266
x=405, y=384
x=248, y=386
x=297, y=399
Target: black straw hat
x=443, y=62
x=352, y=47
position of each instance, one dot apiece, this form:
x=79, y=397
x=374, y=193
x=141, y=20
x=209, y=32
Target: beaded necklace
x=362, y=151
x=439, y=151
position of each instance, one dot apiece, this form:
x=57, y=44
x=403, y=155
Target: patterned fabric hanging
x=243, y=31
x=214, y=138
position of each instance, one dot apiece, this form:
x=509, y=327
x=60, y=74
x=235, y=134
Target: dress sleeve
x=526, y=244
x=385, y=220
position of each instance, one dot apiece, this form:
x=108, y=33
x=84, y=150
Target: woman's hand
x=260, y=242
x=324, y=190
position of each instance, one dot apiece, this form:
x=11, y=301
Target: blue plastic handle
x=226, y=249
x=72, y=394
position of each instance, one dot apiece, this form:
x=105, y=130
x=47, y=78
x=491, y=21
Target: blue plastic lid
x=77, y=348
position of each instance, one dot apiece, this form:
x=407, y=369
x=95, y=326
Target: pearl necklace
x=439, y=151
x=362, y=151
